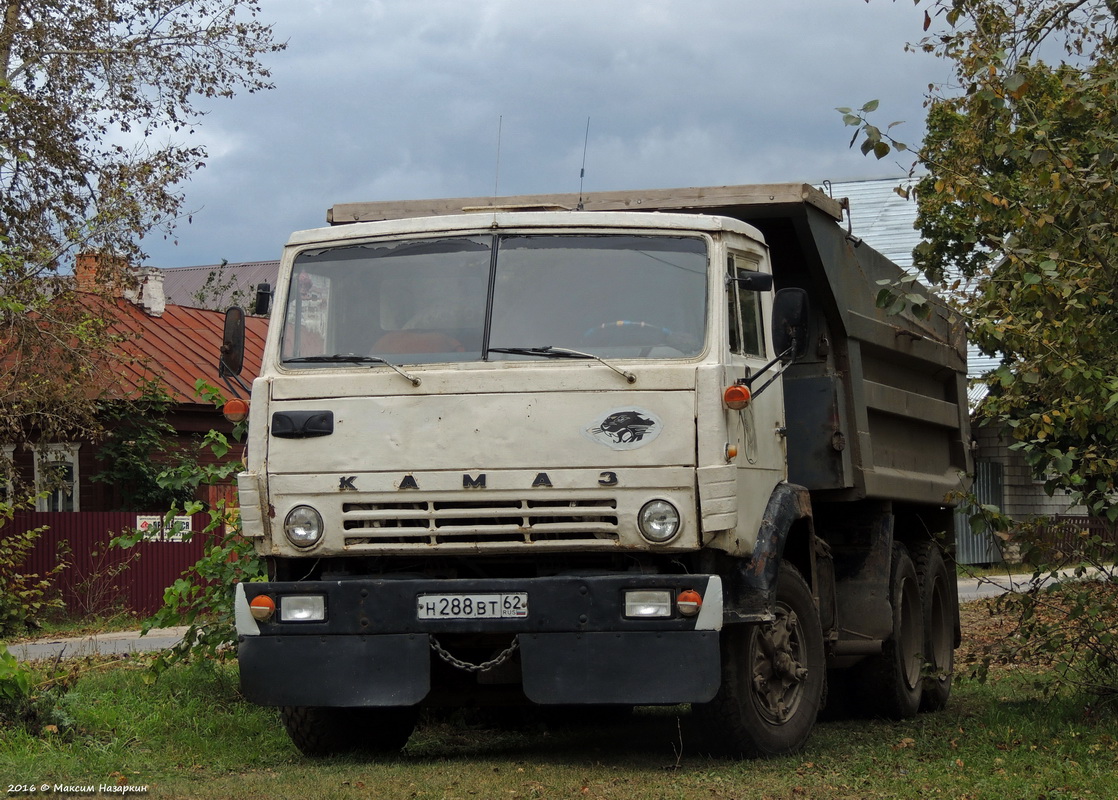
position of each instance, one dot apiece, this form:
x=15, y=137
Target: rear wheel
x=773, y=678
x=323, y=731
x=892, y=682
x=939, y=625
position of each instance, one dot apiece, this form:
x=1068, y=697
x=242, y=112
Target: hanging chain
x=492, y=663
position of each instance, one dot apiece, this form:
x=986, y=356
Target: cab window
x=744, y=310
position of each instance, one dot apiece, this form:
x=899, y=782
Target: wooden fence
x=101, y=578
x=1078, y=538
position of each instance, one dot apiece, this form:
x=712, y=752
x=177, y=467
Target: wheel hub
x=778, y=674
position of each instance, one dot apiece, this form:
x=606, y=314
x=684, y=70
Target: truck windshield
x=471, y=298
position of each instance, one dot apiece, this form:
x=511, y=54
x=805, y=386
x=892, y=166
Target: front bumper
x=575, y=646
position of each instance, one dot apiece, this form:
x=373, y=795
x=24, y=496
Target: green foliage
x=15, y=682
x=86, y=77
x=1019, y=194
x=31, y=702
x=202, y=598
x=1017, y=197
x=23, y=596
x=58, y=354
x=136, y=449
x=17, y=706
x=94, y=100
x=906, y=293
x=220, y=291
x=1065, y=613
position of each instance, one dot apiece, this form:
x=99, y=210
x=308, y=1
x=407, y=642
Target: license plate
x=473, y=606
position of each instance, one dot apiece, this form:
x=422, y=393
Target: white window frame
x=64, y=452
x=741, y=300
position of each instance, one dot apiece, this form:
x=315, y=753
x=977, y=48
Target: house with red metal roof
x=162, y=344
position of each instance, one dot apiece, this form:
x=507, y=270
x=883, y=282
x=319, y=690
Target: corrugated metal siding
x=101, y=578
x=881, y=217
x=980, y=548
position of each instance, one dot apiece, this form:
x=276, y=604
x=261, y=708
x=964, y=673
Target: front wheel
x=773, y=679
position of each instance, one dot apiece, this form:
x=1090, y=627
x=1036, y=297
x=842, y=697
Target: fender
x=751, y=582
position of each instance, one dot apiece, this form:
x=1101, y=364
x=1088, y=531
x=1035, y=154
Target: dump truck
x=605, y=450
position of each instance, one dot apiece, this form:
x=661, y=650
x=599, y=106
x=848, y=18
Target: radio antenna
x=497, y=169
x=582, y=172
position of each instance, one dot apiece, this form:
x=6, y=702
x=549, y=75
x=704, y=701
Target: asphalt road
x=118, y=643
x=978, y=588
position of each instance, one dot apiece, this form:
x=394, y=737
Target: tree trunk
x=7, y=35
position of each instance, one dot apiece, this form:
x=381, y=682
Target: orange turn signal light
x=235, y=410
x=689, y=602
x=262, y=607
x=736, y=396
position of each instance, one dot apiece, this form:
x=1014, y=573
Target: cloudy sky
x=404, y=99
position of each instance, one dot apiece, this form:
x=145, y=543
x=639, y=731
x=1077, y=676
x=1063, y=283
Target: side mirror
x=754, y=281
x=263, y=303
x=232, y=358
x=790, y=320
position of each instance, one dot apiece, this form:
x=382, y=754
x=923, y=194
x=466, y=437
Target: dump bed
x=877, y=408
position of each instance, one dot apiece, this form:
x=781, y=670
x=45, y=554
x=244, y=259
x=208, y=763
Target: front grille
x=434, y=522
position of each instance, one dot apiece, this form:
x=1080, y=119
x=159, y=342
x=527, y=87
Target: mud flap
x=636, y=668
x=353, y=671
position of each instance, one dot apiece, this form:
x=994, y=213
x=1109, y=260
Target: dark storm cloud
x=403, y=99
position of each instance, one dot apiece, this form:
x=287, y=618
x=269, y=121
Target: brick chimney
x=85, y=271
x=94, y=271
x=145, y=291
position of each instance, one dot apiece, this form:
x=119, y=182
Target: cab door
x=758, y=428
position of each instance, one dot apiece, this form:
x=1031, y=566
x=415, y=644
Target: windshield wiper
x=351, y=358
x=549, y=351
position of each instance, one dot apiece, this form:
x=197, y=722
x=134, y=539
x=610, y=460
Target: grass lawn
x=190, y=736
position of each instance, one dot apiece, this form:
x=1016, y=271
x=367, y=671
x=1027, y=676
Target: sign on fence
x=153, y=529
x=95, y=574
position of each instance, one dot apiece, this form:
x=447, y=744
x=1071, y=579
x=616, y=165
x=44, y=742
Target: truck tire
x=322, y=731
x=939, y=625
x=773, y=679
x=892, y=682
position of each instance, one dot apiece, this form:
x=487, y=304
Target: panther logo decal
x=625, y=426
x=624, y=429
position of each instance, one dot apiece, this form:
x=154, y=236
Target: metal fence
x=101, y=578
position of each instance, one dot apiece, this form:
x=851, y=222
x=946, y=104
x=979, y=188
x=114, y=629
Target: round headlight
x=658, y=521
x=303, y=526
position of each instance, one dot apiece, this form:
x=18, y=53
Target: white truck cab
x=543, y=456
